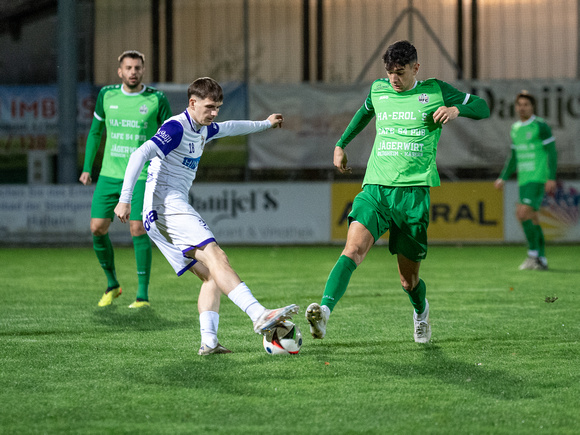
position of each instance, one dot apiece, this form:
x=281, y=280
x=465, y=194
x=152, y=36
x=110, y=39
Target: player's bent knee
x=355, y=254
x=100, y=227
x=409, y=285
x=524, y=213
x=137, y=229
x=97, y=230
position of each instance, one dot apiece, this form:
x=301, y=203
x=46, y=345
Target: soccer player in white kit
x=172, y=223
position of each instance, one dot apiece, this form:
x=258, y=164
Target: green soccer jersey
x=533, y=153
x=405, y=146
x=130, y=119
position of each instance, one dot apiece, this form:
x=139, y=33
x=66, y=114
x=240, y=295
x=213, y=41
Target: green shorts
x=404, y=211
x=532, y=194
x=106, y=198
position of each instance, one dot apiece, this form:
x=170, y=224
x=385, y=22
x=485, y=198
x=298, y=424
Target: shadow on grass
x=242, y=373
x=362, y=359
x=137, y=319
x=212, y=373
x=435, y=364
x=566, y=271
x=470, y=376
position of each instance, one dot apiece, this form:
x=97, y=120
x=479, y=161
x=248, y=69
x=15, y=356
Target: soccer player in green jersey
x=409, y=116
x=131, y=113
x=535, y=159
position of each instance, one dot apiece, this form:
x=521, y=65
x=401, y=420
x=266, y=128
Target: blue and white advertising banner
x=265, y=213
x=244, y=213
x=50, y=214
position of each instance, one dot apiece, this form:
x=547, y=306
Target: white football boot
x=530, y=263
x=422, y=333
x=271, y=318
x=317, y=316
x=206, y=350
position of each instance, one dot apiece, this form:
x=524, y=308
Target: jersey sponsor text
x=396, y=116
x=122, y=150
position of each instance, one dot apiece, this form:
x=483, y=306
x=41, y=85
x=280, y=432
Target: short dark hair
x=133, y=54
x=525, y=94
x=206, y=87
x=400, y=53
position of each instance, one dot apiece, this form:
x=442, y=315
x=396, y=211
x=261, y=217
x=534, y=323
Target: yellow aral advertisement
x=460, y=212
x=466, y=211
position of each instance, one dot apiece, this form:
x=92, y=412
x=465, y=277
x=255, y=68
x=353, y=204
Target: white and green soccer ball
x=284, y=339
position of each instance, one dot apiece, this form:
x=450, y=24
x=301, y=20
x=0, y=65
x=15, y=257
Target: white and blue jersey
x=175, y=151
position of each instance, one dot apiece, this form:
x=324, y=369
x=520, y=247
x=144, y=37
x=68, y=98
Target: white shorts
x=177, y=231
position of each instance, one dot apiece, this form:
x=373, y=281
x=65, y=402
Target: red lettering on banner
x=23, y=108
x=48, y=108
x=45, y=108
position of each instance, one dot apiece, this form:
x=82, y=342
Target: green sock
x=531, y=234
x=417, y=297
x=142, y=246
x=541, y=241
x=104, y=250
x=337, y=281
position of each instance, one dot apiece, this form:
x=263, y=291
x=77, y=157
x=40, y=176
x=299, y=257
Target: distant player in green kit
x=131, y=113
x=401, y=168
x=535, y=159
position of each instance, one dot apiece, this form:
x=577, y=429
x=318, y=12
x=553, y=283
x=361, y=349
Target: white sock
x=243, y=298
x=533, y=254
x=423, y=315
x=208, y=326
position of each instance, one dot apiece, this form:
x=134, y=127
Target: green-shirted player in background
x=535, y=159
x=131, y=113
x=401, y=168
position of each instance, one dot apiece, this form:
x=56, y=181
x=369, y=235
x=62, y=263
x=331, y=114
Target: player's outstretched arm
x=276, y=120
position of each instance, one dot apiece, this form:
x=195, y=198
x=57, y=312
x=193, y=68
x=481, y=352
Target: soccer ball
x=284, y=339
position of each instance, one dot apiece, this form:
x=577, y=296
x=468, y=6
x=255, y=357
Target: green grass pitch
x=504, y=357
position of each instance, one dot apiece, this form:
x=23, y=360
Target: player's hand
x=550, y=186
x=340, y=161
x=445, y=114
x=276, y=120
x=123, y=211
x=498, y=184
x=85, y=178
